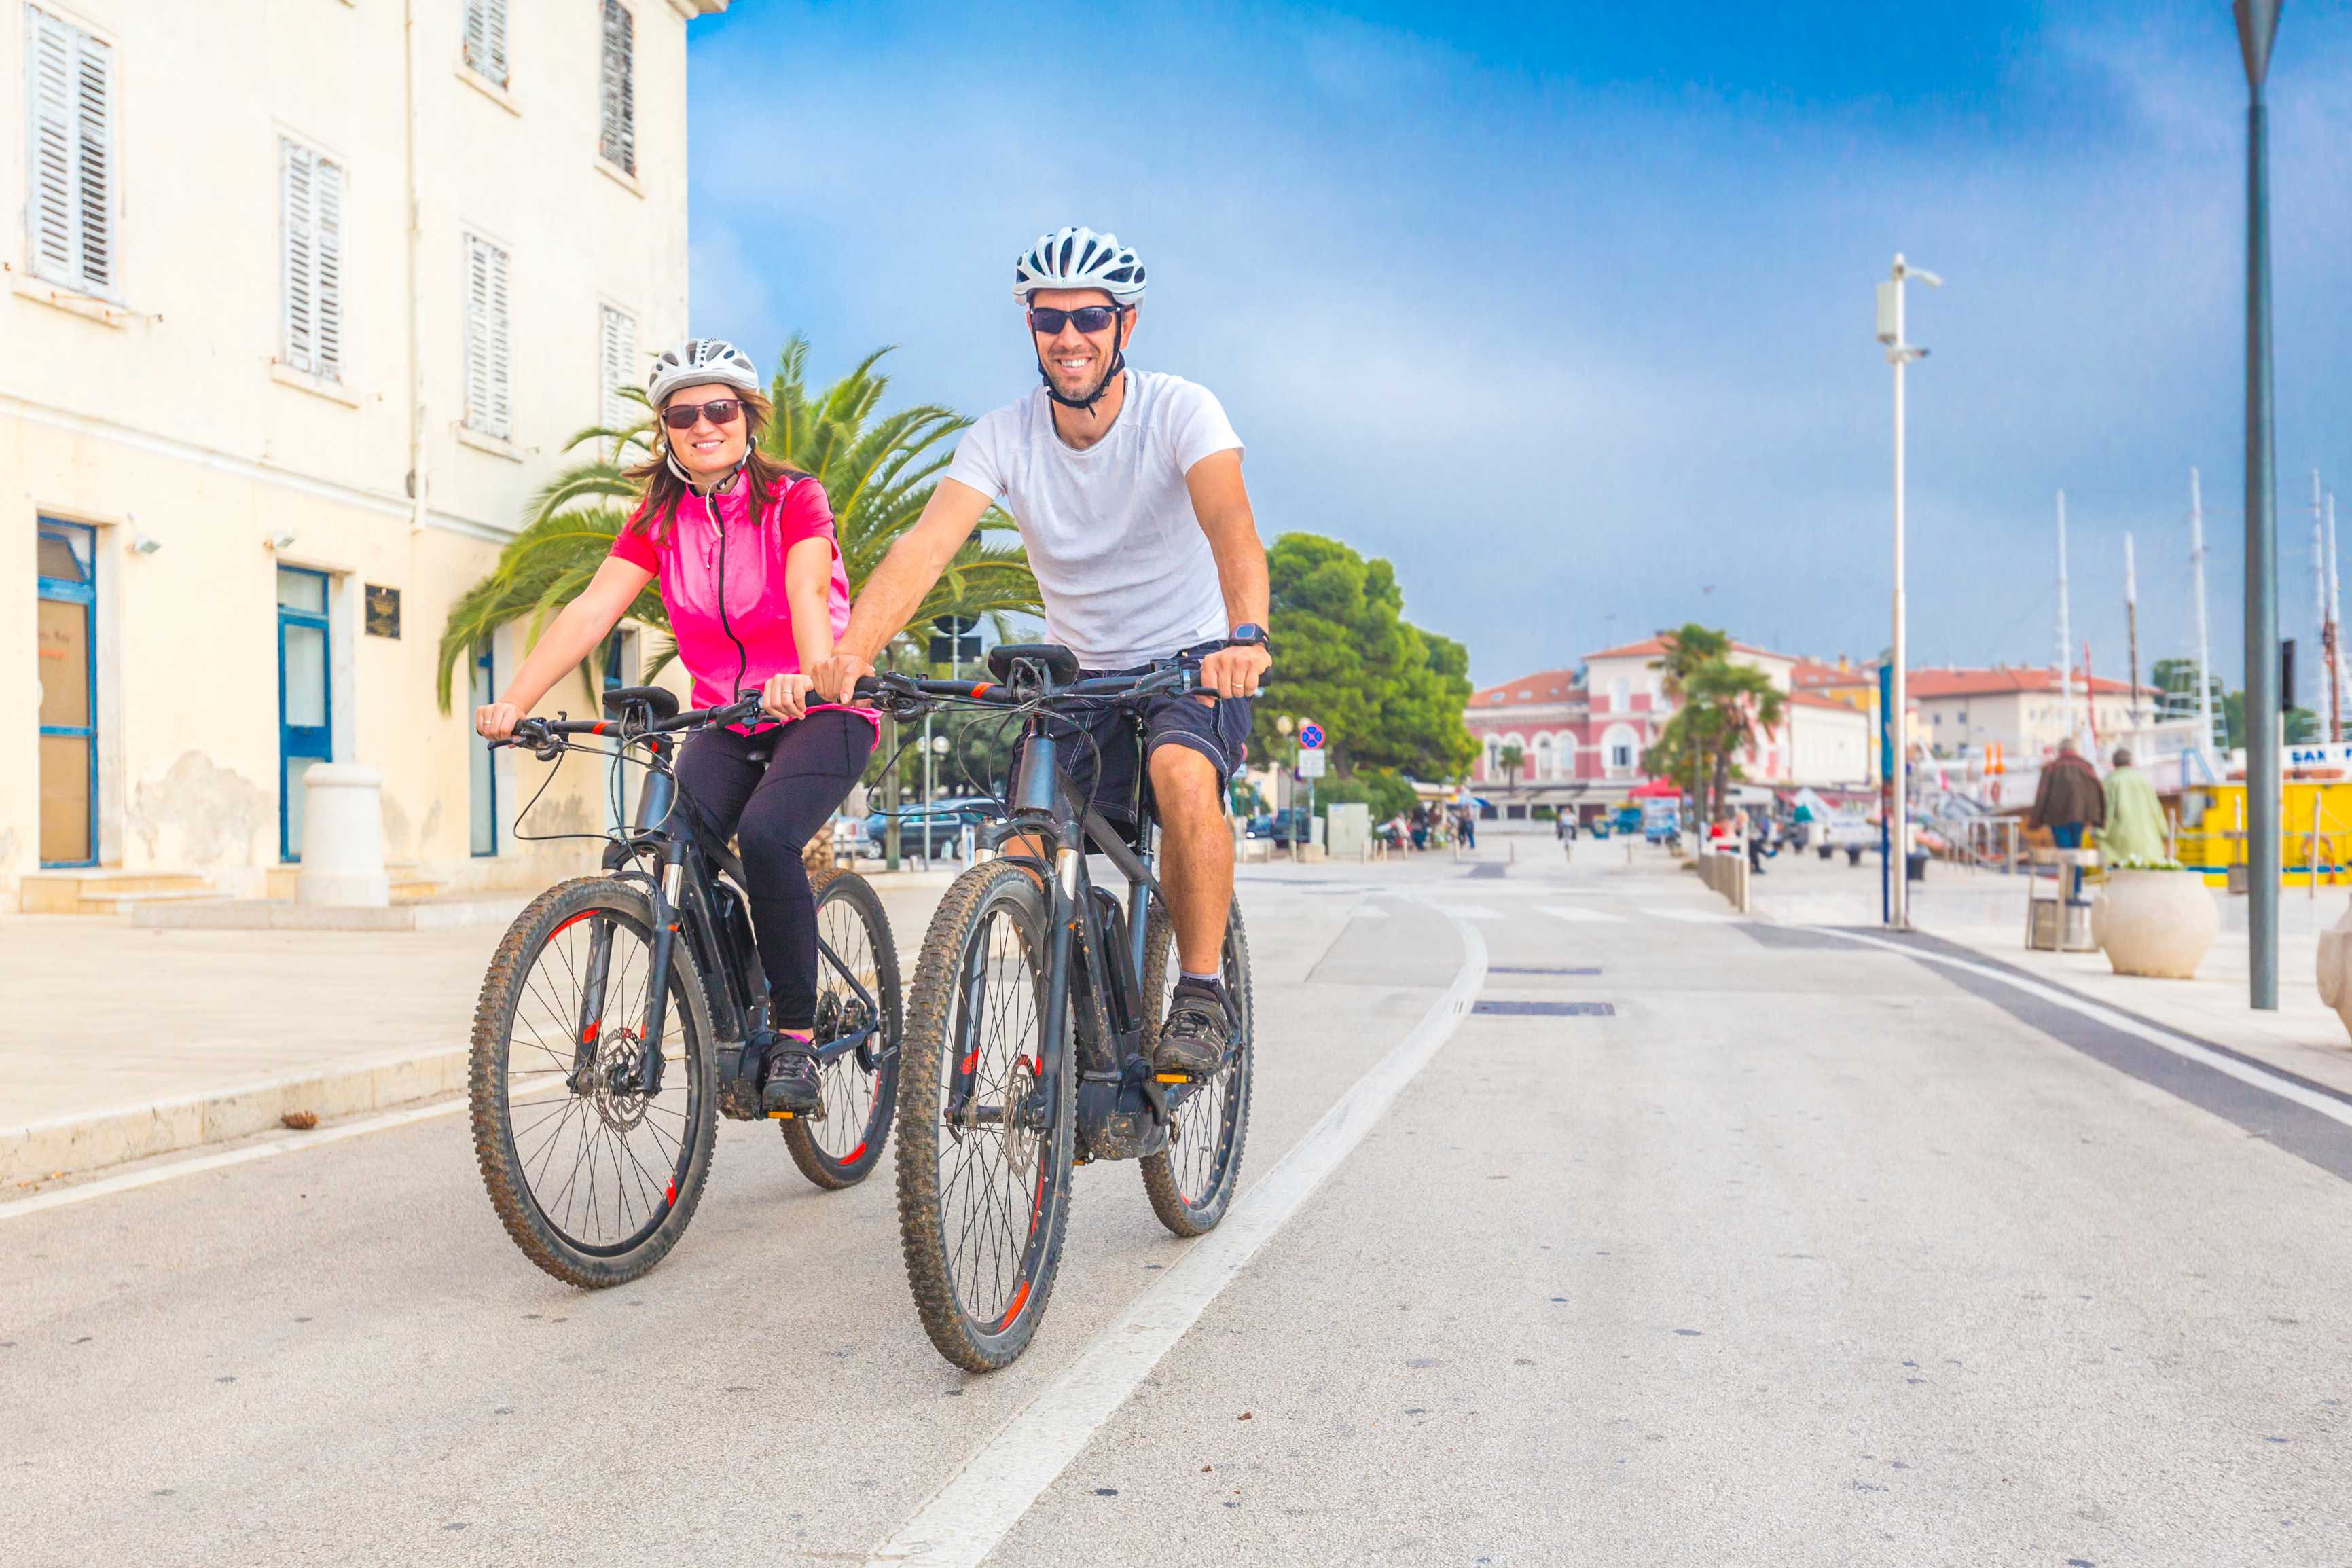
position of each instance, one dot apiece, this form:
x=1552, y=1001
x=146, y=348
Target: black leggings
x=770, y=809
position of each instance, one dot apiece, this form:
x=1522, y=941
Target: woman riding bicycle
x=752, y=579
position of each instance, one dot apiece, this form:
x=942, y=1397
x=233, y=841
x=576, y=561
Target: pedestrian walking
x=2135, y=824
x=2069, y=798
x=1469, y=828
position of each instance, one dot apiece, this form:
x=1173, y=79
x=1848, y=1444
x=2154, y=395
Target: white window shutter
x=486, y=38
x=50, y=210
x=617, y=141
x=94, y=92
x=69, y=208
x=488, y=403
x=328, y=193
x=296, y=170
x=617, y=367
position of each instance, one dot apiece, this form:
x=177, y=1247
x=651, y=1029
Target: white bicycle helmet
x=1079, y=259
x=700, y=362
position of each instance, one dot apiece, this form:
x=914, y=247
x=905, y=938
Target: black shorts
x=1100, y=750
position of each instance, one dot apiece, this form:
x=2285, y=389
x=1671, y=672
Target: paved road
x=1809, y=1253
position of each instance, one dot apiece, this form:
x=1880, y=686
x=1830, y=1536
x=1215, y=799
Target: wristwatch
x=1250, y=634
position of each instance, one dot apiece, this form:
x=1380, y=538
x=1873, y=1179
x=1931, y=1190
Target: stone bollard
x=342, y=838
x=2336, y=968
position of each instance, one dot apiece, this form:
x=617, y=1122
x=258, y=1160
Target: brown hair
x=661, y=489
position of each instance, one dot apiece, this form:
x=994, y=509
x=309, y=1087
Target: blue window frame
x=482, y=763
x=305, y=695
x=66, y=595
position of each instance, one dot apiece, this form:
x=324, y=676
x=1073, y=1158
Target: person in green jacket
x=2134, y=825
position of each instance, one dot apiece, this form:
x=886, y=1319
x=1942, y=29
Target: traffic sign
x=1310, y=736
x=1310, y=763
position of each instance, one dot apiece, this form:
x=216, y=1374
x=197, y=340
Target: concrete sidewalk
x=125, y=1042
x=1985, y=910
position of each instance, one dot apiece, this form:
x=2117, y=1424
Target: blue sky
x=1567, y=309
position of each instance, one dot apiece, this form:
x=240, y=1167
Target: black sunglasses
x=721, y=411
x=1086, y=319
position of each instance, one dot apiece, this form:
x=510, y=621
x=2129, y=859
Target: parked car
x=1286, y=827
x=929, y=830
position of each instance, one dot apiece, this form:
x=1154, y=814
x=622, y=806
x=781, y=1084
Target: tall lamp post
x=1899, y=353
x=2257, y=26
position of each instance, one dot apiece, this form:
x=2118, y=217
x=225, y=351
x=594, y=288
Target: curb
x=88, y=1140
x=264, y=915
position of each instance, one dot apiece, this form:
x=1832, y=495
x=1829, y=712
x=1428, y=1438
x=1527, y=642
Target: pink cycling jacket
x=722, y=579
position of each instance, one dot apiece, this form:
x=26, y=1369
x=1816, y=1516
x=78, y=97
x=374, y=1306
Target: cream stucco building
x=258, y=428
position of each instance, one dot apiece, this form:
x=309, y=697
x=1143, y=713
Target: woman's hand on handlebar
x=497, y=721
x=787, y=696
x=836, y=680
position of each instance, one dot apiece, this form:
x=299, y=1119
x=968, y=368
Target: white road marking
x=982, y=1502
x=1368, y=912
x=1577, y=912
x=2179, y=1045
x=1466, y=912
x=1693, y=916
x=245, y=1154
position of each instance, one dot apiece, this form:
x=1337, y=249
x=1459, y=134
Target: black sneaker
x=791, y=1082
x=1198, y=1029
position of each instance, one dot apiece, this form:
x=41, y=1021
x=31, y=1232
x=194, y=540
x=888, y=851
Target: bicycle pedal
x=1171, y=1078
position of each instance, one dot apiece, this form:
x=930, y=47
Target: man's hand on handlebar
x=836, y=680
x=497, y=721
x=1234, y=671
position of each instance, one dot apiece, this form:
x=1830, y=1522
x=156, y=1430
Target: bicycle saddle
x=1061, y=665
x=660, y=702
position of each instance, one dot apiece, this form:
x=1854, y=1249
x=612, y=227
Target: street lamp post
x=1899, y=353
x=2257, y=26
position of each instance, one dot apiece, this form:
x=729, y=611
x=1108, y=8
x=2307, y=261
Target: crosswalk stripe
x=1577, y=913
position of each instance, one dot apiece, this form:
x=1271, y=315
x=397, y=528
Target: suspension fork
x=592, y=1005
x=1062, y=901
x=1139, y=902
x=665, y=943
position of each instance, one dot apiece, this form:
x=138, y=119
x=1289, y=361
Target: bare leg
x=1196, y=863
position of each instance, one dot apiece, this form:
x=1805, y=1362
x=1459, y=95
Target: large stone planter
x=2160, y=923
x=2336, y=968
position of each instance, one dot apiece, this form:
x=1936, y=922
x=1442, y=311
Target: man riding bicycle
x=1126, y=487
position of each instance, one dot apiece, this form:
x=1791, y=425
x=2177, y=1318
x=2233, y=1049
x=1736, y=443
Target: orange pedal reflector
x=1172, y=1077
x=780, y=1115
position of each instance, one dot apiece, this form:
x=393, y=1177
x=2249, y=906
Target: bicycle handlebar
x=905, y=694
x=544, y=737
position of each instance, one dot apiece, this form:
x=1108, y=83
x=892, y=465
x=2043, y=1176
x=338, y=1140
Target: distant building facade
x=2021, y=709
x=261, y=429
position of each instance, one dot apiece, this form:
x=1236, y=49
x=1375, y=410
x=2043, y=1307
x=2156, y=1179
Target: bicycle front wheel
x=1192, y=1182
x=856, y=990
x=594, y=1178
x=984, y=1150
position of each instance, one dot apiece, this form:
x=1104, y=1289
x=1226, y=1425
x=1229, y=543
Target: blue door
x=65, y=641
x=305, y=695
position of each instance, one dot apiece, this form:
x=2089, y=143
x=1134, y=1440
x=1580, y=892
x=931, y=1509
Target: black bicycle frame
x=680, y=889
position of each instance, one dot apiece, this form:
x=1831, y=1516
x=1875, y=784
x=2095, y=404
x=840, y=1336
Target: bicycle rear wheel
x=984, y=1153
x=860, y=1086
x=595, y=1179
x=1192, y=1182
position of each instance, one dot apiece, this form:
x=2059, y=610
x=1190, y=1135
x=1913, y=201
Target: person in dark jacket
x=2069, y=798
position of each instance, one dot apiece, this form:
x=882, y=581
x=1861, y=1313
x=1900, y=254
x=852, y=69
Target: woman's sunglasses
x=1086, y=319
x=721, y=412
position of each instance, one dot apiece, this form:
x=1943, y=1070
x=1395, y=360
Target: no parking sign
x=1310, y=736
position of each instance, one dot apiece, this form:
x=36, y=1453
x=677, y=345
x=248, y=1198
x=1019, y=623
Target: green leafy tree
x=1390, y=694
x=877, y=469
x=1690, y=739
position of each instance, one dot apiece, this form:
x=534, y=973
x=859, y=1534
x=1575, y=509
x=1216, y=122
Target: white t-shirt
x=1126, y=572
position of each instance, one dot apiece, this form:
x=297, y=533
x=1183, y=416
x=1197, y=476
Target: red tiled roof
x=1651, y=647
x=1964, y=682
x=1812, y=699
x=1543, y=686
x=1815, y=673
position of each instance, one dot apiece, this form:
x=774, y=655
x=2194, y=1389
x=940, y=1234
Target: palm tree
x=877, y=473
x=1741, y=704
x=1510, y=759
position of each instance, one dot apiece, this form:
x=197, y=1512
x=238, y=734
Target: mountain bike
x=610, y=1034
x=1036, y=1002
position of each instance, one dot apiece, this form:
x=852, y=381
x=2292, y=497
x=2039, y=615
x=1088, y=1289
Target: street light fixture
x=2257, y=26
x=1896, y=814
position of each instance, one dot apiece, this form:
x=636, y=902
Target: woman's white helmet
x=700, y=362
x=1079, y=259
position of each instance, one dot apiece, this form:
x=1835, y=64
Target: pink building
x=1583, y=732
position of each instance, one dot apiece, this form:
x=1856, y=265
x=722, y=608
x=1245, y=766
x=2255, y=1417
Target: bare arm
x=1222, y=503
x=808, y=590
x=579, y=627
x=895, y=591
